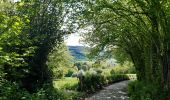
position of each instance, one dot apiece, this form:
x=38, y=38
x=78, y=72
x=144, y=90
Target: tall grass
x=66, y=83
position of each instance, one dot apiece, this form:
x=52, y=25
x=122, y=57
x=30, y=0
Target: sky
x=16, y=0
x=73, y=40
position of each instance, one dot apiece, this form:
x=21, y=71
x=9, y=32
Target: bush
x=118, y=77
x=69, y=73
x=99, y=71
x=126, y=68
x=58, y=73
x=49, y=93
x=10, y=90
x=83, y=65
x=142, y=91
x=90, y=82
x=93, y=81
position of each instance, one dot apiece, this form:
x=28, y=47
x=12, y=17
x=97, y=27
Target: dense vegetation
x=33, y=53
x=90, y=81
x=139, y=30
x=29, y=32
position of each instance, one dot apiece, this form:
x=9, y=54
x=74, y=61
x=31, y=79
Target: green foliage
x=121, y=56
x=69, y=85
x=11, y=90
x=59, y=60
x=138, y=29
x=142, y=91
x=75, y=95
x=93, y=81
x=15, y=47
x=32, y=31
x=97, y=64
x=66, y=83
x=29, y=31
x=51, y=93
x=83, y=65
x=126, y=68
x=69, y=73
x=46, y=32
x=118, y=77
x=90, y=82
x=60, y=57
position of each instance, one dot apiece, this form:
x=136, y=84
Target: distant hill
x=78, y=52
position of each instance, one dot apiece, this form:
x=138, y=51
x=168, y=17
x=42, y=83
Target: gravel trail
x=116, y=91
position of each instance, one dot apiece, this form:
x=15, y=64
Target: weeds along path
x=116, y=91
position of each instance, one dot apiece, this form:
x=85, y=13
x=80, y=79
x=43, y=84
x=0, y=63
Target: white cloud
x=73, y=40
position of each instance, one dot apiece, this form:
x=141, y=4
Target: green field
x=66, y=83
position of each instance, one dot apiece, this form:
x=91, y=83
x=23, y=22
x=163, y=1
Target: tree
x=15, y=44
x=45, y=29
x=60, y=60
x=139, y=28
x=30, y=30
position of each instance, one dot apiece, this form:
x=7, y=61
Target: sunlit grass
x=66, y=83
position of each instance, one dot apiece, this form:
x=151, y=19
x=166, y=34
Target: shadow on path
x=116, y=91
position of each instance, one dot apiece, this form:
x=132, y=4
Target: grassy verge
x=69, y=85
x=91, y=84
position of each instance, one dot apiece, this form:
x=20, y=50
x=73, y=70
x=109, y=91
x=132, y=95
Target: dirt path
x=117, y=91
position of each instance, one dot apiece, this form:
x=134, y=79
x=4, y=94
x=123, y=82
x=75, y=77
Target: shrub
x=48, y=92
x=69, y=73
x=126, y=68
x=78, y=65
x=10, y=90
x=74, y=74
x=90, y=82
x=53, y=94
x=99, y=71
x=142, y=91
x=83, y=65
x=93, y=81
x=69, y=86
x=119, y=77
x=59, y=73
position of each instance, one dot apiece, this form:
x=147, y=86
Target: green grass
x=66, y=83
x=69, y=85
